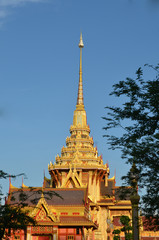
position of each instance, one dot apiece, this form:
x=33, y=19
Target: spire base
x=80, y=107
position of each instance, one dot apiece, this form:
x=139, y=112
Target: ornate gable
x=42, y=215
x=72, y=180
x=42, y=212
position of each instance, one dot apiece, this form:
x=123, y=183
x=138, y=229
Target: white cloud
x=7, y=5
x=14, y=3
x=3, y=13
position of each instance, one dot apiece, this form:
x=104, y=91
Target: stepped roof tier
x=79, y=151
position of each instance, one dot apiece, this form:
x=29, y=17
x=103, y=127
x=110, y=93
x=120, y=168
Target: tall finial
x=81, y=45
x=80, y=85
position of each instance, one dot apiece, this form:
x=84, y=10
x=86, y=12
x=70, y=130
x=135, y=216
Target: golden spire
x=80, y=85
x=79, y=118
x=79, y=151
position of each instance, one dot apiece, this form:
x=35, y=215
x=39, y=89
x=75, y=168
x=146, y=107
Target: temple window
x=70, y=237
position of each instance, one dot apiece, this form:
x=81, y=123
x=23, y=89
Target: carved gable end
x=72, y=180
x=42, y=212
x=42, y=216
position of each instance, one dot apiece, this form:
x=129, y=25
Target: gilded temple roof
x=79, y=150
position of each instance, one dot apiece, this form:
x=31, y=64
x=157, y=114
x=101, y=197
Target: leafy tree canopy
x=138, y=117
x=14, y=215
x=125, y=221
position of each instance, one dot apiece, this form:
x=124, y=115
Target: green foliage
x=13, y=214
x=125, y=221
x=116, y=237
x=138, y=117
x=116, y=233
x=13, y=217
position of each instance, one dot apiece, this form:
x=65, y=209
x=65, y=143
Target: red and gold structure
x=85, y=203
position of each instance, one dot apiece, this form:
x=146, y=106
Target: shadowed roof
x=107, y=190
x=52, y=196
x=111, y=190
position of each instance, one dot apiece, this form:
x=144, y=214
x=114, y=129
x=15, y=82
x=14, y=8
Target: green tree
x=138, y=117
x=116, y=233
x=125, y=221
x=14, y=217
x=127, y=229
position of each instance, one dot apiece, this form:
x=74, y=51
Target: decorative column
x=28, y=236
x=135, y=217
x=134, y=198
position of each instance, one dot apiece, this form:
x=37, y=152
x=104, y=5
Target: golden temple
x=85, y=204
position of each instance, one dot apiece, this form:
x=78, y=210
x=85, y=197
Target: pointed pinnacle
x=80, y=84
x=81, y=45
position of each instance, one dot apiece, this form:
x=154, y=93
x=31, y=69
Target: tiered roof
x=79, y=151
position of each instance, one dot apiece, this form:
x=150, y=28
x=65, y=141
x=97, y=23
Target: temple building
x=85, y=204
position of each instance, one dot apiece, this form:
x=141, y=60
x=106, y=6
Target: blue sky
x=39, y=65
